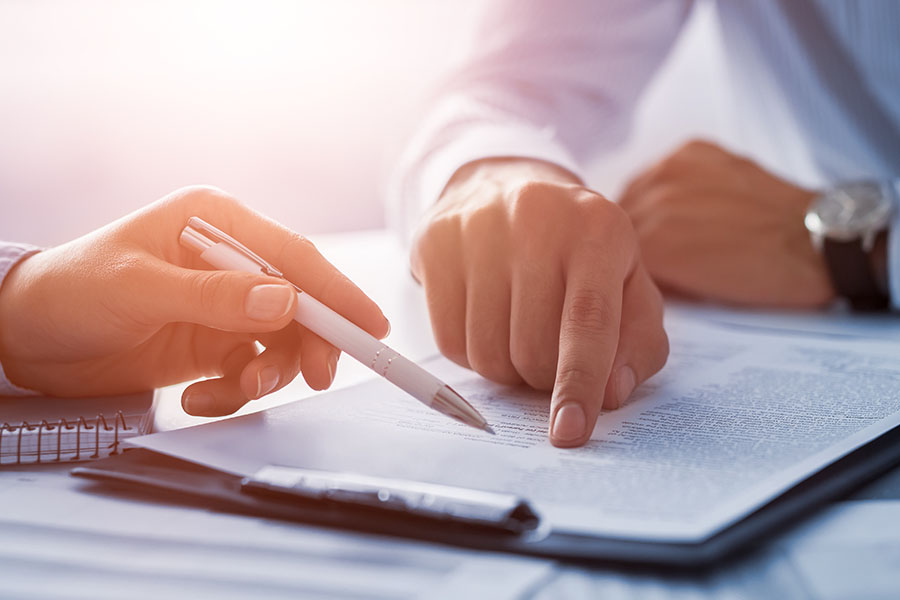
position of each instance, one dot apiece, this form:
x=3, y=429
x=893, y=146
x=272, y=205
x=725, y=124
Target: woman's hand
x=127, y=308
x=532, y=277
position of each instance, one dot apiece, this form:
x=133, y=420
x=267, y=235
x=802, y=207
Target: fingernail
x=569, y=422
x=625, y=382
x=199, y=403
x=268, y=302
x=332, y=366
x=266, y=380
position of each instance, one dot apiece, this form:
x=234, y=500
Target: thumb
x=225, y=300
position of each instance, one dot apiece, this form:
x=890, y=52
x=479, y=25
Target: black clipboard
x=148, y=472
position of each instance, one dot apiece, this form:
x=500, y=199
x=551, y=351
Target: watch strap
x=853, y=275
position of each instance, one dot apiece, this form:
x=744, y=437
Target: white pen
x=224, y=252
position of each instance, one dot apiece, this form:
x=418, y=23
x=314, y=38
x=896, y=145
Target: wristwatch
x=844, y=223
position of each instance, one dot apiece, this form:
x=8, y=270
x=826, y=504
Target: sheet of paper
x=737, y=417
x=62, y=539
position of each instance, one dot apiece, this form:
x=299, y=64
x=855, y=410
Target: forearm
x=10, y=255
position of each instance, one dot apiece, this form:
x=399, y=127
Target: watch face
x=850, y=211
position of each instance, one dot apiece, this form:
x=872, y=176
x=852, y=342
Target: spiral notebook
x=38, y=429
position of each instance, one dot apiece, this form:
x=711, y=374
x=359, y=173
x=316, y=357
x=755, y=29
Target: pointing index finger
x=588, y=338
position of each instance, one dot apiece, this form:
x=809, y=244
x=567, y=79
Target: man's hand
x=127, y=308
x=716, y=226
x=531, y=276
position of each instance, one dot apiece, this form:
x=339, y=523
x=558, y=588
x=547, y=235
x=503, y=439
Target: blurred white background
x=298, y=108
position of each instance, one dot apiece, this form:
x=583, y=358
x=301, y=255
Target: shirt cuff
x=10, y=255
x=893, y=250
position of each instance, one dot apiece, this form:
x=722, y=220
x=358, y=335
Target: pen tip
x=489, y=429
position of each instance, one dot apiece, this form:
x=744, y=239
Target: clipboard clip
x=439, y=502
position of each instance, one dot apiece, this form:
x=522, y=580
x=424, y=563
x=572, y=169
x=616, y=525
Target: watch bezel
x=865, y=230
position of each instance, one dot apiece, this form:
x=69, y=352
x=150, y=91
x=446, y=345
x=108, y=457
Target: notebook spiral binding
x=53, y=432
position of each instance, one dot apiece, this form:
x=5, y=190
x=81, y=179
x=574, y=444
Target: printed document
x=737, y=417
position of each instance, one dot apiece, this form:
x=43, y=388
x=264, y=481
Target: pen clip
x=201, y=235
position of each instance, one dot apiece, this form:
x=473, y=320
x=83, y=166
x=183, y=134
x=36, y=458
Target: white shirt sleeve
x=893, y=250
x=10, y=255
x=551, y=81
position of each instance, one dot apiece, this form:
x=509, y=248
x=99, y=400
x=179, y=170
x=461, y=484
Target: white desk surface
x=63, y=539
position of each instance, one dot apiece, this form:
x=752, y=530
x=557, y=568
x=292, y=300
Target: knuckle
x=334, y=287
x=600, y=216
x=432, y=245
x=534, y=366
x=607, y=229
x=207, y=288
x=590, y=202
x=575, y=378
x=666, y=200
x=205, y=195
x=494, y=366
x=587, y=312
x=451, y=342
x=542, y=212
x=446, y=325
x=485, y=220
x=432, y=229
x=488, y=354
x=742, y=163
x=295, y=247
x=695, y=145
x=534, y=194
x=533, y=202
x=617, y=218
x=669, y=169
x=437, y=232
x=689, y=154
x=202, y=189
x=674, y=165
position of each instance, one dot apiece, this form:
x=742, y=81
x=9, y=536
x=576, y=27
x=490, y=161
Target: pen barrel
x=341, y=333
x=223, y=257
x=367, y=349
